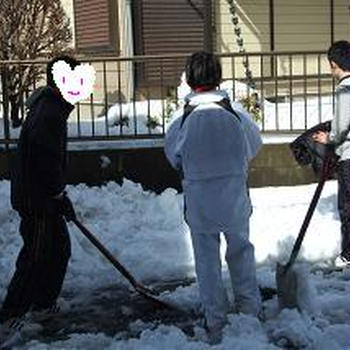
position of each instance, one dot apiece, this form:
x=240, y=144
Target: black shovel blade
x=287, y=287
x=145, y=290
x=150, y=295
x=156, y=302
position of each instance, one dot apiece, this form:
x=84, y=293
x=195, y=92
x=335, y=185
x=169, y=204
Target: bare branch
x=30, y=29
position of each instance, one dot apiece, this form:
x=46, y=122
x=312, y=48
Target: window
x=96, y=27
x=163, y=27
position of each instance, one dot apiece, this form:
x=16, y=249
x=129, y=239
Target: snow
x=147, y=234
x=291, y=114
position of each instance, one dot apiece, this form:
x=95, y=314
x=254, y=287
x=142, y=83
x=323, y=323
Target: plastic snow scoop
x=140, y=288
x=286, y=276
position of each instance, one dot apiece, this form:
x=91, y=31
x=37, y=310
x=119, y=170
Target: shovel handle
x=325, y=173
x=106, y=253
x=140, y=288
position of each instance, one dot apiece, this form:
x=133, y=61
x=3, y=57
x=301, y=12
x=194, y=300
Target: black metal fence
x=135, y=97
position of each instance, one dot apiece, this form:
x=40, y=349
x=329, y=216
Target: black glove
x=65, y=207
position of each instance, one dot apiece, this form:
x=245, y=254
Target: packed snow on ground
x=147, y=233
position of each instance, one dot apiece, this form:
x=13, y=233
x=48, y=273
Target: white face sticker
x=75, y=85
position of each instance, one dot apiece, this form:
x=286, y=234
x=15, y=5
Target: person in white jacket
x=339, y=137
x=210, y=144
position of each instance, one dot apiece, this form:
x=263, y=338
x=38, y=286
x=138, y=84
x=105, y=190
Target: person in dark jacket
x=307, y=151
x=339, y=138
x=37, y=193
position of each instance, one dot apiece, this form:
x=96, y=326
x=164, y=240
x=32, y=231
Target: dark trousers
x=41, y=264
x=344, y=206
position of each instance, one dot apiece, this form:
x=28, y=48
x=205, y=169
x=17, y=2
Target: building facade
x=125, y=28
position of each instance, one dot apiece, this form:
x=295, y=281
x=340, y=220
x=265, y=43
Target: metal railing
x=135, y=97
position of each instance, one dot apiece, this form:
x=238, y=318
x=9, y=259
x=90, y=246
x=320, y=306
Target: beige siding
x=254, y=22
x=342, y=20
x=299, y=26
x=302, y=25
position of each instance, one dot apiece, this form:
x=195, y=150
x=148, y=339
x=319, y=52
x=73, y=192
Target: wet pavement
x=110, y=311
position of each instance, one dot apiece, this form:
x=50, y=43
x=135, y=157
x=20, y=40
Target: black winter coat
x=38, y=172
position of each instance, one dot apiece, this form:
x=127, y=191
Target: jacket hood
x=206, y=97
x=37, y=95
x=345, y=81
x=47, y=91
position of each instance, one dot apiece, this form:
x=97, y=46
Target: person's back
x=213, y=142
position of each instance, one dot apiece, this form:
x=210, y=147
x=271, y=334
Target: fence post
x=6, y=121
x=5, y=106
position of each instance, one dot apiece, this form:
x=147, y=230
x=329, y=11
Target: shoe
x=341, y=262
x=39, y=314
x=10, y=330
x=214, y=333
x=51, y=310
x=214, y=336
x=262, y=315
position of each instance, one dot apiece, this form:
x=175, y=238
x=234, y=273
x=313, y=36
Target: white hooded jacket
x=212, y=150
x=339, y=134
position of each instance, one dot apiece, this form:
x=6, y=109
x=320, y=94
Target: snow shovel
x=141, y=289
x=286, y=276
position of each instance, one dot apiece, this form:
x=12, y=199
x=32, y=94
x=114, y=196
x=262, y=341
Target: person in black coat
x=37, y=193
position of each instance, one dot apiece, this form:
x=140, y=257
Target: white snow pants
x=241, y=263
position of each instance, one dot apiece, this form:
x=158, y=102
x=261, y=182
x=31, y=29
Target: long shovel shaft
x=107, y=254
x=310, y=212
x=141, y=289
x=286, y=276
x=305, y=224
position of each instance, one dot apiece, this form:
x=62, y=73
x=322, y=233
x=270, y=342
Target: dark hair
x=203, y=69
x=68, y=59
x=339, y=53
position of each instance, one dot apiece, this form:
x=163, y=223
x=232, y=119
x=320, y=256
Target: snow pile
x=147, y=234
x=137, y=227
x=278, y=213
